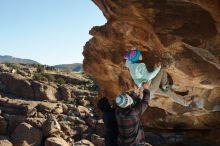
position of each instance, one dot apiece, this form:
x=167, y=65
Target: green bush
x=12, y=65
x=61, y=81
x=40, y=69
x=38, y=77
x=50, y=77
x=43, y=76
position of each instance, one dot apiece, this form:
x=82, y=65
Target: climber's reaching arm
x=142, y=69
x=153, y=74
x=142, y=106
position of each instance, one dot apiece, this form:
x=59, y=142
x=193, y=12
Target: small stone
x=97, y=140
x=55, y=141
x=83, y=142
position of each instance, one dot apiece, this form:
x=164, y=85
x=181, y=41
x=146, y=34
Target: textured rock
x=55, y=141
x=184, y=35
x=67, y=129
x=17, y=106
x=13, y=122
x=83, y=109
x=51, y=126
x=12, y=83
x=66, y=93
x=44, y=92
x=25, y=133
x=5, y=142
x=36, y=122
x=46, y=107
x=97, y=140
x=83, y=142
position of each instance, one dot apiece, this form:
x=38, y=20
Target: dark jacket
x=110, y=123
x=131, y=132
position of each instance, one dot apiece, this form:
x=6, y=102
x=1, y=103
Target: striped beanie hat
x=123, y=100
x=133, y=55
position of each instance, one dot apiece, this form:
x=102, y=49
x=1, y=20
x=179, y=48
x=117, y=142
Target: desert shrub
x=12, y=65
x=40, y=69
x=67, y=71
x=42, y=76
x=50, y=77
x=60, y=81
x=38, y=77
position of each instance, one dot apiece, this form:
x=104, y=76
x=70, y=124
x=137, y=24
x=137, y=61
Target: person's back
x=110, y=123
x=130, y=128
x=130, y=132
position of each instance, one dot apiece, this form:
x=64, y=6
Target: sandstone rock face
x=184, y=35
x=25, y=133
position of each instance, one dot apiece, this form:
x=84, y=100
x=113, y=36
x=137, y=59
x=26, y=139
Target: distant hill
x=71, y=67
x=10, y=59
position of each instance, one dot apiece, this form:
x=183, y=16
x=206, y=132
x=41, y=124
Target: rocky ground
x=42, y=106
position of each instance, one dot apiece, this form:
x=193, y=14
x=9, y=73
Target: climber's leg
x=183, y=100
x=155, y=83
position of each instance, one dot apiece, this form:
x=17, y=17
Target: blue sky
x=48, y=31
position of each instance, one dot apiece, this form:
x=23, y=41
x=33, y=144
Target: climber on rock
x=138, y=70
x=128, y=114
x=158, y=78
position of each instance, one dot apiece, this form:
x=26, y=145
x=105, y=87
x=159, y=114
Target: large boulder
x=36, y=122
x=55, y=141
x=46, y=107
x=13, y=122
x=17, y=106
x=16, y=84
x=184, y=35
x=51, y=126
x=66, y=92
x=25, y=133
x=44, y=92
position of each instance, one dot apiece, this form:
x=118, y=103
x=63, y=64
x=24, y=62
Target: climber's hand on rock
x=136, y=90
x=146, y=85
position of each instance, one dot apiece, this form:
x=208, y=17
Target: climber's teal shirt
x=139, y=72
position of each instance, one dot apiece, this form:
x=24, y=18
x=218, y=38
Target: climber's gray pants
x=162, y=78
